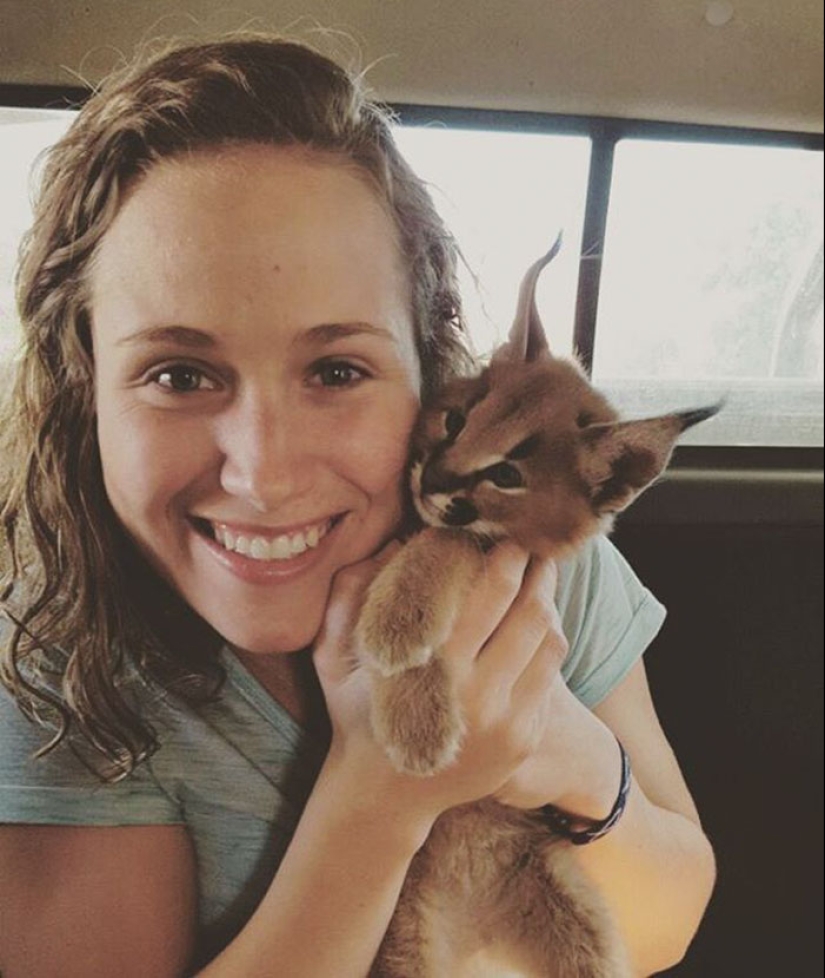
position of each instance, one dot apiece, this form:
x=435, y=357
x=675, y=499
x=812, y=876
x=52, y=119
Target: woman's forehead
x=221, y=179
x=252, y=225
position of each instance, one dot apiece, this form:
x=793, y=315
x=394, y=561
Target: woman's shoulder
x=47, y=777
x=62, y=786
x=204, y=751
x=597, y=572
x=608, y=615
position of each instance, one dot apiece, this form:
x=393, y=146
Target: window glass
x=24, y=134
x=505, y=196
x=712, y=287
x=712, y=270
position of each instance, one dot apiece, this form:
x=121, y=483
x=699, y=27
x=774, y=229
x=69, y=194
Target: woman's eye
x=503, y=475
x=182, y=379
x=454, y=421
x=338, y=373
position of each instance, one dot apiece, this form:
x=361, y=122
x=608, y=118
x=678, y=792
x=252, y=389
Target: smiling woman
x=233, y=299
x=283, y=410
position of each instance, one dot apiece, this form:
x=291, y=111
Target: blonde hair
x=72, y=583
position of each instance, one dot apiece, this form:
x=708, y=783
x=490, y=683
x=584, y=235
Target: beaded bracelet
x=561, y=823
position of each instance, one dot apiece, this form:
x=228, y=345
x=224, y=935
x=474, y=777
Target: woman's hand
x=504, y=654
x=575, y=763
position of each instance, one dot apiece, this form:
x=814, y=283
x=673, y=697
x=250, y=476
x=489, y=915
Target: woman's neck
x=290, y=679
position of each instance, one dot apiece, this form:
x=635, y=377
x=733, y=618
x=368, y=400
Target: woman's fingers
x=331, y=654
x=530, y=628
x=503, y=653
x=487, y=601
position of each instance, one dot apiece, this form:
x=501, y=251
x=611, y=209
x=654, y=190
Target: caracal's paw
x=394, y=634
x=385, y=646
x=416, y=719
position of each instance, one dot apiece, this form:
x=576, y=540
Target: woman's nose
x=266, y=454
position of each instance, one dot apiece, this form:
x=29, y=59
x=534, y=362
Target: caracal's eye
x=454, y=421
x=503, y=475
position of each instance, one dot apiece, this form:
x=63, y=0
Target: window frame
x=716, y=484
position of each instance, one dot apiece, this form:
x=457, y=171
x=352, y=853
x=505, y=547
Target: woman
x=234, y=296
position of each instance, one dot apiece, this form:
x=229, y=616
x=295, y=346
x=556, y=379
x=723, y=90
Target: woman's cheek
x=386, y=445
x=149, y=463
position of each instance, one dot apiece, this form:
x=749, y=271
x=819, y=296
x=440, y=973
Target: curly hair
x=75, y=588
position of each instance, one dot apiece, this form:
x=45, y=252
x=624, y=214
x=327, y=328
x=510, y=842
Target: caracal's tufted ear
x=622, y=459
x=527, y=340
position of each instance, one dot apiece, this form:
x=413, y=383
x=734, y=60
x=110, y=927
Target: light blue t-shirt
x=236, y=772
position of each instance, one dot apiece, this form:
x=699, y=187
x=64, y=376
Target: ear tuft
x=695, y=415
x=527, y=340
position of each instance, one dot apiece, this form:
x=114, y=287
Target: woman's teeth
x=280, y=548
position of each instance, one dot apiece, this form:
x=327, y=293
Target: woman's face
x=256, y=382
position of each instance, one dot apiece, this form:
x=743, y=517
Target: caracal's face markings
x=529, y=451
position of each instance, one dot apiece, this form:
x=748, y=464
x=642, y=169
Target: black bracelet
x=561, y=823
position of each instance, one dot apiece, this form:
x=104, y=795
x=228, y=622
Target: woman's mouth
x=264, y=547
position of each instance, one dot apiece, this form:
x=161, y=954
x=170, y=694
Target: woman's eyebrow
x=180, y=335
x=330, y=332
x=188, y=336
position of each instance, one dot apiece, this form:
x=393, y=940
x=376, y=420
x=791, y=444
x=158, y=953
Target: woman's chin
x=268, y=641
